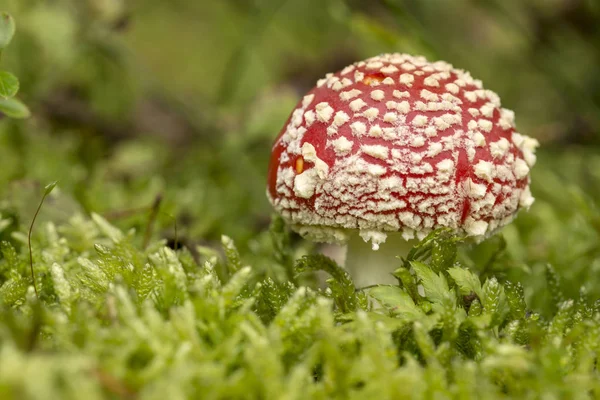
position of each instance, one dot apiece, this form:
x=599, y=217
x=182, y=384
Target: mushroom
x=396, y=143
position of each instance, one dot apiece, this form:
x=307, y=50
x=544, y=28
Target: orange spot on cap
x=372, y=79
x=299, y=165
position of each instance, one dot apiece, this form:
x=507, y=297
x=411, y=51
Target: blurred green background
x=182, y=99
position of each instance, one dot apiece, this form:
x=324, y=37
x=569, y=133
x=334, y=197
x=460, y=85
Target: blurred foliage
x=9, y=84
x=159, y=116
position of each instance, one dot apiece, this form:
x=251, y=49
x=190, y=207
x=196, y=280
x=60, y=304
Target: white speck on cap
x=310, y=154
x=400, y=94
x=430, y=131
x=375, y=150
x=375, y=237
x=452, y=88
x=445, y=166
x=484, y=170
x=342, y=145
x=434, y=149
x=403, y=107
x=376, y=170
x=419, y=120
x=488, y=110
x=340, y=118
x=474, y=112
x=390, y=117
x=375, y=65
x=356, y=105
x=429, y=96
x=337, y=86
x=377, y=95
x=307, y=100
x=375, y=131
x=476, y=228
x=485, y=125
x=479, y=139
x=305, y=184
x=471, y=96
x=358, y=128
x=347, y=70
x=359, y=76
x=407, y=79
x=498, y=149
x=526, y=200
x=431, y=81
x=350, y=94
x=390, y=69
x=417, y=141
x=324, y=111
x=371, y=113
x=309, y=116
x=521, y=168
x=475, y=190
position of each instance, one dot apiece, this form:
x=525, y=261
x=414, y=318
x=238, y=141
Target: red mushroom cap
x=399, y=144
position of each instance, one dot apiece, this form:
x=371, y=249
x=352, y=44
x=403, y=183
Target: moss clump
x=116, y=321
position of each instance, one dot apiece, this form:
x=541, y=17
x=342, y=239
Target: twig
x=154, y=210
x=176, y=242
x=360, y=289
x=113, y=385
x=236, y=62
x=47, y=191
x=176, y=239
x=111, y=215
x=152, y=219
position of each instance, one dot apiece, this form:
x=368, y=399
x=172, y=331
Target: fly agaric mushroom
x=396, y=143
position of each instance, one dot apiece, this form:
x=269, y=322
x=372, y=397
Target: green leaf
x=425, y=342
x=106, y=228
x=280, y=236
x=397, y=301
x=13, y=108
x=271, y=297
x=466, y=280
x=7, y=29
x=440, y=245
x=342, y=287
x=234, y=263
x=236, y=284
x=13, y=290
x=516, y=299
x=435, y=285
x=146, y=281
x=443, y=254
x=9, y=85
x=554, y=285
x=493, y=299
x=408, y=281
x=517, y=331
x=9, y=253
x=390, y=323
x=562, y=320
x=475, y=308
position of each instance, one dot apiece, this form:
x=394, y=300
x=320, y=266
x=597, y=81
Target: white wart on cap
x=396, y=143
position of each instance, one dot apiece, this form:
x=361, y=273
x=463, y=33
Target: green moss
x=114, y=319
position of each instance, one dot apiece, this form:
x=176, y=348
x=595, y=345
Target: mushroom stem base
x=368, y=267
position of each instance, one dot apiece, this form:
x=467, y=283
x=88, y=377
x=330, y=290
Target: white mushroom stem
x=369, y=267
